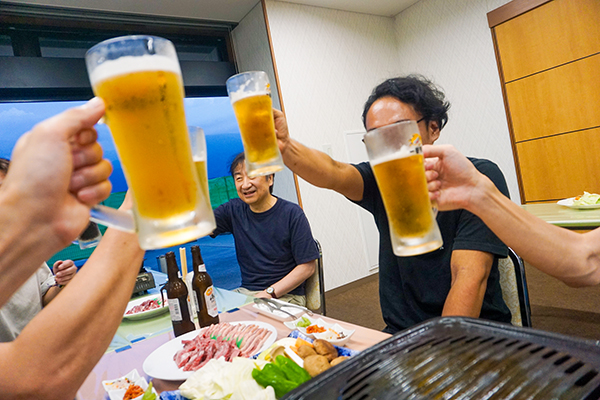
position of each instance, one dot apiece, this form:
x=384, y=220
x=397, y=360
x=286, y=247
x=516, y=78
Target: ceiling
x=220, y=10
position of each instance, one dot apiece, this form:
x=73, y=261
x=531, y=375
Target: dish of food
x=582, y=202
x=129, y=387
x=161, y=363
x=145, y=307
x=319, y=329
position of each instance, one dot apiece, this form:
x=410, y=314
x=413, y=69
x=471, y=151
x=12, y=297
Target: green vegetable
x=149, y=394
x=292, y=371
x=272, y=375
x=303, y=323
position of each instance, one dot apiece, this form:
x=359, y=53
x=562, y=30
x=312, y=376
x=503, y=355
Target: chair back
x=315, y=286
x=514, y=288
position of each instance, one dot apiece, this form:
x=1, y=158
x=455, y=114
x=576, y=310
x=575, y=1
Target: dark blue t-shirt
x=268, y=245
x=414, y=289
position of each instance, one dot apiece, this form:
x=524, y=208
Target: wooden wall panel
x=561, y=166
x=552, y=34
x=556, y=101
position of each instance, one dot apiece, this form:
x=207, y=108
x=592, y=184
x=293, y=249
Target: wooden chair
x=514, y=288
x=315, y=287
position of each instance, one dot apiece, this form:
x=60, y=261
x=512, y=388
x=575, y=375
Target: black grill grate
x=455, y=358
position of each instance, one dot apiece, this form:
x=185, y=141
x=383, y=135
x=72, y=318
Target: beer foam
x=240, y=94
x=403, y=152
x=130, y=64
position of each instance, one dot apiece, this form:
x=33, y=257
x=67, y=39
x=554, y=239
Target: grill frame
x=355, y=379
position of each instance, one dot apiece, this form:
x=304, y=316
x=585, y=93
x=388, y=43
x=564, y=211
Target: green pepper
x=149, y=394
x=293, y=371
x=272, y=375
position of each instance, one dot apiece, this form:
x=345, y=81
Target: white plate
x=160, y=363
x=327, y=335
x=569, y=203
x=145, y=314
x=278, y=315
x=114, y=390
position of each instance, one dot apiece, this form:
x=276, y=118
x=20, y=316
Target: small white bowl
x=313, y=321
x=332, y=332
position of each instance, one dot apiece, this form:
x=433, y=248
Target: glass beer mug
x=139, y=79
x=396, y=158
x=250, y=95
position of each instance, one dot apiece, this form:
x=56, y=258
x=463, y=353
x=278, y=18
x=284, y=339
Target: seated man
x=461, y=278
x=36, y=293
x=273, y=242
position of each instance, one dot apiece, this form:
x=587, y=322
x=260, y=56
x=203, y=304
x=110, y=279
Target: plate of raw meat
x=145, y=307
x=178, y=359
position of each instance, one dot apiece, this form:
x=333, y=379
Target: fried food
x=305, y=351
x=316, y=364
x=338, y=360
x=324, y=348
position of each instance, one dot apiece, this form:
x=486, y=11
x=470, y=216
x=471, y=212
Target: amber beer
x=404, y=192
x=203, y=292
x=249, y=93
x=255, y=118
x=396, y=158
x=177, y=294
x=140, y=107
x=139, y=80
x=201, y=173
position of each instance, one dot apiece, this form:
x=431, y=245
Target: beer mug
x=139, y=79
x=199, y=155
x=396, y=158
x=250, y=95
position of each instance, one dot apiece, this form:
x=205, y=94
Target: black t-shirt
x=414, y=289
x=268, y=245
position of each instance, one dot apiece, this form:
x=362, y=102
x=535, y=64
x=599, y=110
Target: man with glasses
x=461, y=278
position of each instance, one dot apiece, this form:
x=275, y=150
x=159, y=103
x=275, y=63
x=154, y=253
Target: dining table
x=566, y=217
x=136, y=340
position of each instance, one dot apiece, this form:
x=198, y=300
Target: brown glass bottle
x=204, y=294
x=177, y=294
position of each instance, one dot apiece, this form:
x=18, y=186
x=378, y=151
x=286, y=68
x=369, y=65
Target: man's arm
x=292, y=280
x=63, y=343
x=56, y=172
x=316, y=167
x=64, y=271
x=470, y=271
x=571, y=257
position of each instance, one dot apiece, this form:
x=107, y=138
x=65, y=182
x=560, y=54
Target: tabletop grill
x=460, y=358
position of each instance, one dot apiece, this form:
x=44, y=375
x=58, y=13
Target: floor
x=358, y=303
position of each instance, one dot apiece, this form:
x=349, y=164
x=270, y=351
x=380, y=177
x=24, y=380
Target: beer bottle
x=203, y=292
x=177, y=294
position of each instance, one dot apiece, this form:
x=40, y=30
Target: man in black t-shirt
x=273, y=241
x=459, y=279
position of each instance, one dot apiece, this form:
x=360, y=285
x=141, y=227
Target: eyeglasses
x=420, y=120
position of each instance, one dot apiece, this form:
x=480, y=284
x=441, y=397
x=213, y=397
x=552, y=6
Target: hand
x=281, y=130
x=127, y=204
x=57, y=172
x=263, y=294
x=64, y=271
x=452, y=178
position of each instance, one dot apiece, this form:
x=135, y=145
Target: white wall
x=450, y=42
x=329, y=61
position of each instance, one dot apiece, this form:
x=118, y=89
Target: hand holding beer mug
x=396, y=158
x=139, y=79
x=250, y=95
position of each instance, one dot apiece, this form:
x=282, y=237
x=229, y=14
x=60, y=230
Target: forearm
x=464, y=299
x=50, y=295
x=296, y=276
x=82, y=322
x=25, y=244
x=571, y=257
x=320, y=170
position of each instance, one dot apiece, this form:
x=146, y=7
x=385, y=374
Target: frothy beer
x=145, y=113
x=255, y=118
x=401, y=181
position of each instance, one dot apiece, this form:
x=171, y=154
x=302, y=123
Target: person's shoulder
x=492, y=171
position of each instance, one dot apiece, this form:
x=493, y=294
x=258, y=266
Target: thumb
x=66, y=124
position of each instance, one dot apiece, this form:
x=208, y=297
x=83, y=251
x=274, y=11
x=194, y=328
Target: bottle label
x=175, y=310
x=196, y=302
x=211, y=302
x=202, y=268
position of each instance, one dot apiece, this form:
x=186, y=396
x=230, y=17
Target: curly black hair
x=240, y=158
x=421, y=93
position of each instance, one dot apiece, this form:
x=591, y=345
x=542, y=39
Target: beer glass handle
x=112, y=218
